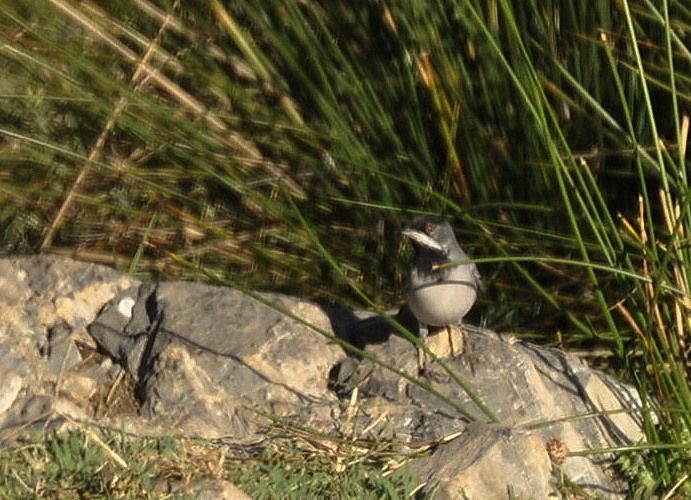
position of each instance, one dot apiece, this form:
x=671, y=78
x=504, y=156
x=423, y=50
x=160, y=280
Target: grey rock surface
x=530, y=389
x=209, y=361
x=467, y=467
x=215, y=490
x=45, y=305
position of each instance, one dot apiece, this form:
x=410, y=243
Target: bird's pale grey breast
x=442, y=288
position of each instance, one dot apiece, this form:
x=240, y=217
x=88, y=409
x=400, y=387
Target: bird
x=443, y=283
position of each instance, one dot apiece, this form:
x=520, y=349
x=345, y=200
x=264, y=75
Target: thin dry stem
x=619, y=306
x=684, y=137
x=111, y=453
x=158, y=79
x=245, y=150
x=97, y=149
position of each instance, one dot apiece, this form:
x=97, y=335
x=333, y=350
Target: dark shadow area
x=361, y=332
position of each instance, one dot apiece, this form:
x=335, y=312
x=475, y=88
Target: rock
x=218, y=489
x=28, y=413
x=12, y=384
x=78, y=387
x=525, y=386
x=13, y=373
x=488, y=461
x=124, y=326
x=214, y=362
x=44, y=301
x=207, y=358
x=61, y=351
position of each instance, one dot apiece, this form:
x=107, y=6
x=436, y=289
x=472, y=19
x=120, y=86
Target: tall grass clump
x=280, y=144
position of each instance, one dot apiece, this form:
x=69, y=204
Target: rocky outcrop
x=82, y=342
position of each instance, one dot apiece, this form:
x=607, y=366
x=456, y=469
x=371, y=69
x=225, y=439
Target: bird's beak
x=422, y=239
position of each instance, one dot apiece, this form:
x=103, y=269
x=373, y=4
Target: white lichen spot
x=125, y=307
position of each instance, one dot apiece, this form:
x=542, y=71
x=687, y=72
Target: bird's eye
x=430, y=227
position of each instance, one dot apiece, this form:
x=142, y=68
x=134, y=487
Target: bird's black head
x=431, y=233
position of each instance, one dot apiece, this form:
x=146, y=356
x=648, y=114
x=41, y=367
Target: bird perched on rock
x=442, y=283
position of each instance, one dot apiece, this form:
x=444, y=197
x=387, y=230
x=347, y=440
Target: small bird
x=442, y=284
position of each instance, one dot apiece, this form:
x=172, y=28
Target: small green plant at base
x=75, y=464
